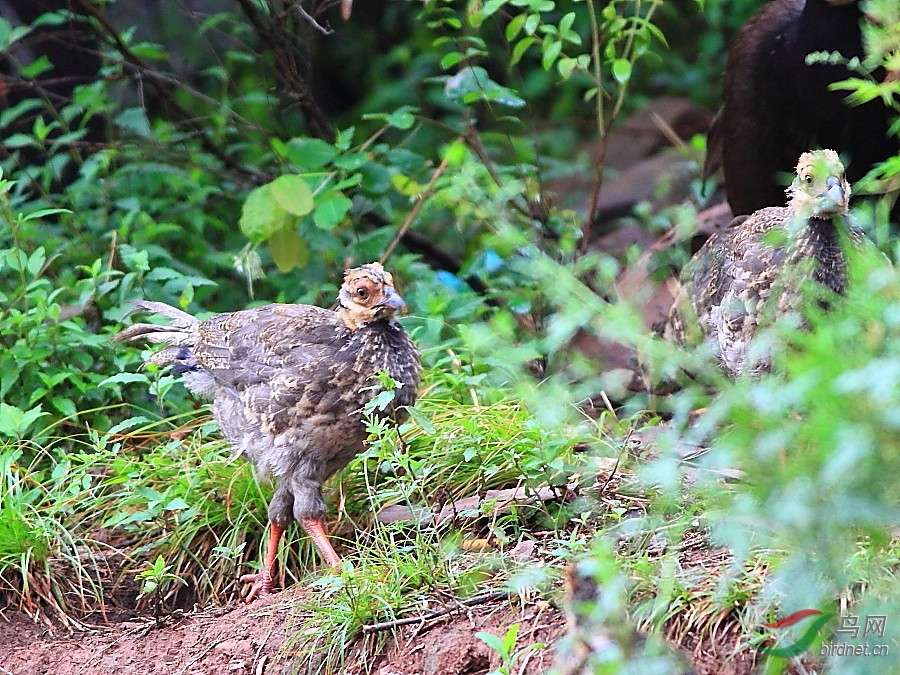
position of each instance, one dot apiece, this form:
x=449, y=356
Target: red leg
x=262, y=580
x=316, y=530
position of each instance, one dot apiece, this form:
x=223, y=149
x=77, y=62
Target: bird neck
x=354, y=320
x=821, y=241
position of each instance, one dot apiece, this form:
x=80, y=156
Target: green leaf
x=176, y=504
x=331, y=211
x=14, y=421
x=262, y=216
x=292, y=194
x=451, y=59
x=37, y=67
x=128, y=423
x=509, y=640
x=43, y=213
x=419, y=418
x=150, y=51
x=552, y=50
x=402, y=118
x=621, y=70
x=9, y=35
x=521, y=47
x=514, y=27
x=565, y=25
x=124, y=378
x=491, y=641
x=18, y=141
x=288, y=249
x=351, y=161
x=36, y=261
x=65, y=406
x=566, y=66
x=473, y=83
x=134, y=120
x=310, y=153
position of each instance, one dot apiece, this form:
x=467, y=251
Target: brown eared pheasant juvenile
x=289, y=384
x=754, y=270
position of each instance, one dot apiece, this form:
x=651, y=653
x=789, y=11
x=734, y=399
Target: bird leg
x=262, y=580
x=316, y=530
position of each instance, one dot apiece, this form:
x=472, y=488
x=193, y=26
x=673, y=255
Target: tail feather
x=181, y=331
x=180, y=336
x=179, y=356
x=151, y=332
x=179, y=319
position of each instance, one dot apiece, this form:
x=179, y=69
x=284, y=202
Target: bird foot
x=262, y=584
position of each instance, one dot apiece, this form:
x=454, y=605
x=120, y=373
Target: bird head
x=367, y=295
x=820, y=189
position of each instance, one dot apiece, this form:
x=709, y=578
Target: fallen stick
x=470, y=602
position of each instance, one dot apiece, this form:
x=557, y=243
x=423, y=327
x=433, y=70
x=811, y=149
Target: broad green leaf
x=292, y=194
x=262, y=216
x=65, y=406
x=331, y=210
x=15, y=422
x=310, y=153
x=135, y=260
x=288, y=249
x=37, y=67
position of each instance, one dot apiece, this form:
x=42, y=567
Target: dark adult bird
x=753, y=271
x=776, y=106
x=289, y=384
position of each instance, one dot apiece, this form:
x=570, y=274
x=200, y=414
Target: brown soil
x=255, y=640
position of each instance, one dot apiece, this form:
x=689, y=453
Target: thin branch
x=470, y=602
x=315, y=24
x=415, y=210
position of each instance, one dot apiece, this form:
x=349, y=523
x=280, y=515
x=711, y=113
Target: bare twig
x=415, y=209
x=315, y=24
x=479, y=599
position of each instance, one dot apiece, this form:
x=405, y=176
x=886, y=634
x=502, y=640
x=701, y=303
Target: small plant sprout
x=504, y=647
x=154, y=580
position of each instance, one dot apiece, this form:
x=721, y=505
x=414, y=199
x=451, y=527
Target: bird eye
x=808, y=178
x=362, y=293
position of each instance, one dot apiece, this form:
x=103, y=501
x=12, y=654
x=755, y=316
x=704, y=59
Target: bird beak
x=392, y=299
x=834, y=192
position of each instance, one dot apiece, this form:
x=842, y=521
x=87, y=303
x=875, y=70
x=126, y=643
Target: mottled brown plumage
x=289, y=383
x=752, y=272
x=776, y=105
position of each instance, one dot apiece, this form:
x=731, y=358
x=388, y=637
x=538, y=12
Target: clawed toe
x=262, y=585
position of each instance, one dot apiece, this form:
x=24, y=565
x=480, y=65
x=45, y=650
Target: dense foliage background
x=217, y=155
